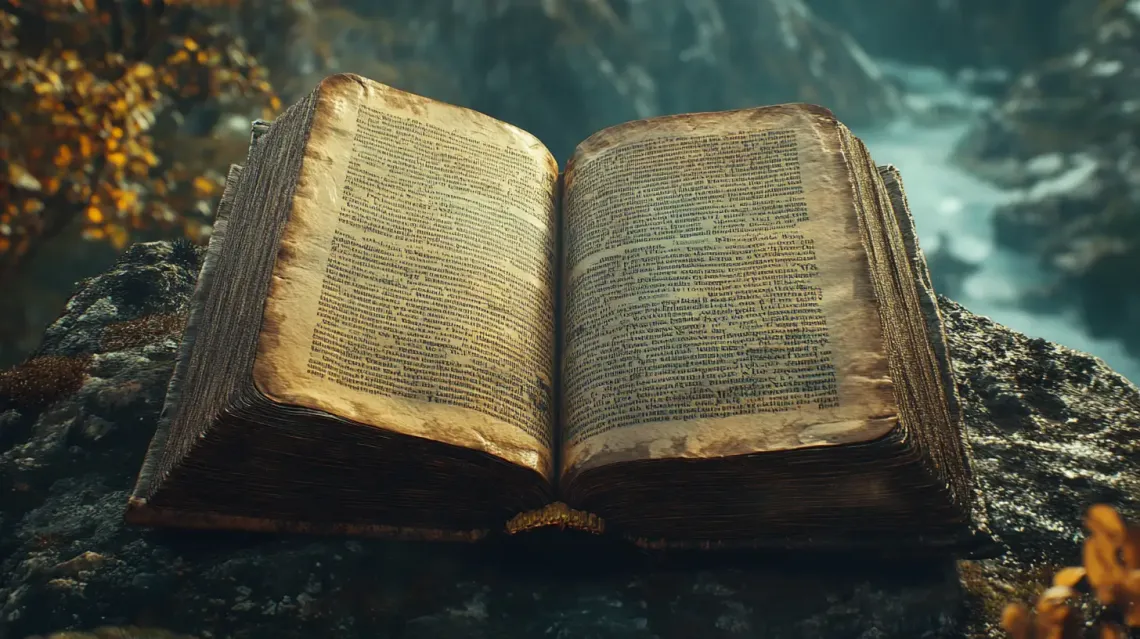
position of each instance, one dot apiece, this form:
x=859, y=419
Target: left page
x=413, y=290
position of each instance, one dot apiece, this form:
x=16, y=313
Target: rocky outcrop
x=562, y=70
x=1052, y=431
x=1066, y=137
x=958, y=34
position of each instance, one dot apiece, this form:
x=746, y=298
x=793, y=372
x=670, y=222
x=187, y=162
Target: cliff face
x=1051, y=430
x=562, y=70
x=1066, y=137
x=955, y=34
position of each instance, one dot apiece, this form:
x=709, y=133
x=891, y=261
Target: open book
x=711, y=329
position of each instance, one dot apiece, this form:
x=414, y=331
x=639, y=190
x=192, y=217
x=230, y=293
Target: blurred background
x=1014, y=122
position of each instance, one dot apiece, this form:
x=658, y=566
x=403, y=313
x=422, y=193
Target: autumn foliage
x=1111, y=573
x=93, y=94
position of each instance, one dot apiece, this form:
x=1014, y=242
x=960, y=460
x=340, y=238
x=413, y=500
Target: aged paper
x=718, y=296
x=413, y=289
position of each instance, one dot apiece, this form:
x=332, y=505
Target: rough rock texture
x=1067, y=137
x=564, y=69
x=1052, y=431
x=955, y=34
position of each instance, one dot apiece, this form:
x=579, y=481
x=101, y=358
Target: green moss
x=141, y=331
x=42, y=381
x=185, y=253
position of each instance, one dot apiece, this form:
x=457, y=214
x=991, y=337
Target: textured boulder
x=1066, y=137
x=1052, y=431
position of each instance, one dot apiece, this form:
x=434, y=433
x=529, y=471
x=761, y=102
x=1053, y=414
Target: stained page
x=718, y=296
x=413, y=290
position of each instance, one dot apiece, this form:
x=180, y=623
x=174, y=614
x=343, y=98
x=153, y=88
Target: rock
x=1066, y=138
x=962, y=34
x=563, y=70
x=1052, y=431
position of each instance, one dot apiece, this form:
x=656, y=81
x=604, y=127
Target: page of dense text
x=413, y=290
x=718, y=296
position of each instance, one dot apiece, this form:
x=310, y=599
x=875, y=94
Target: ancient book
x=708, y=330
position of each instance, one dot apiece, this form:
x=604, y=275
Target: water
x=953, y=211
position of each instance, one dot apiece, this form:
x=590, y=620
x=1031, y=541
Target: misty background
x=1012, y=122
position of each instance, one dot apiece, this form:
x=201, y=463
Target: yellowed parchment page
x=413, y=288
x=718, y=297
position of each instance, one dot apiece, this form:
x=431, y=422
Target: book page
x=413, y=289
x=718, y=296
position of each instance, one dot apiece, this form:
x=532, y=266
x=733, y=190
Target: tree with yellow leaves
x=91, y=93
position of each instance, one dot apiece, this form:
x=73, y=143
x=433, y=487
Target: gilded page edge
x=928, y=297
x=299, y=270
x=977, y=502
x=147, y=478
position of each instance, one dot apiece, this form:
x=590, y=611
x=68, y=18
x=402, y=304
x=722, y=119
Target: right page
x=717, y=295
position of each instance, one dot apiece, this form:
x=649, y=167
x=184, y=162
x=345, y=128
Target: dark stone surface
x=1052, y=431
x=1066, y=137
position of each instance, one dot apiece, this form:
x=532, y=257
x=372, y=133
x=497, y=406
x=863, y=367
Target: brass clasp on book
x=556, y=514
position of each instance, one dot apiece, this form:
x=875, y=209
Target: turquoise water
x=955, y=208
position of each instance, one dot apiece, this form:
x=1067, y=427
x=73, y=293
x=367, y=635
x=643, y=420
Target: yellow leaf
x=1132, y=590
x=1054, y=616
x=118, y=159
x=63, y=156
x=19, y=177
x=1112, y=631
x=1102, y=519
x=127, y=199
x=203, y=186
x=94, y=215
x=189, y=44
x=1103, y=570
x=1130, y=552
x=1015, y=620
x=1070, y=576
x=119, y=237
